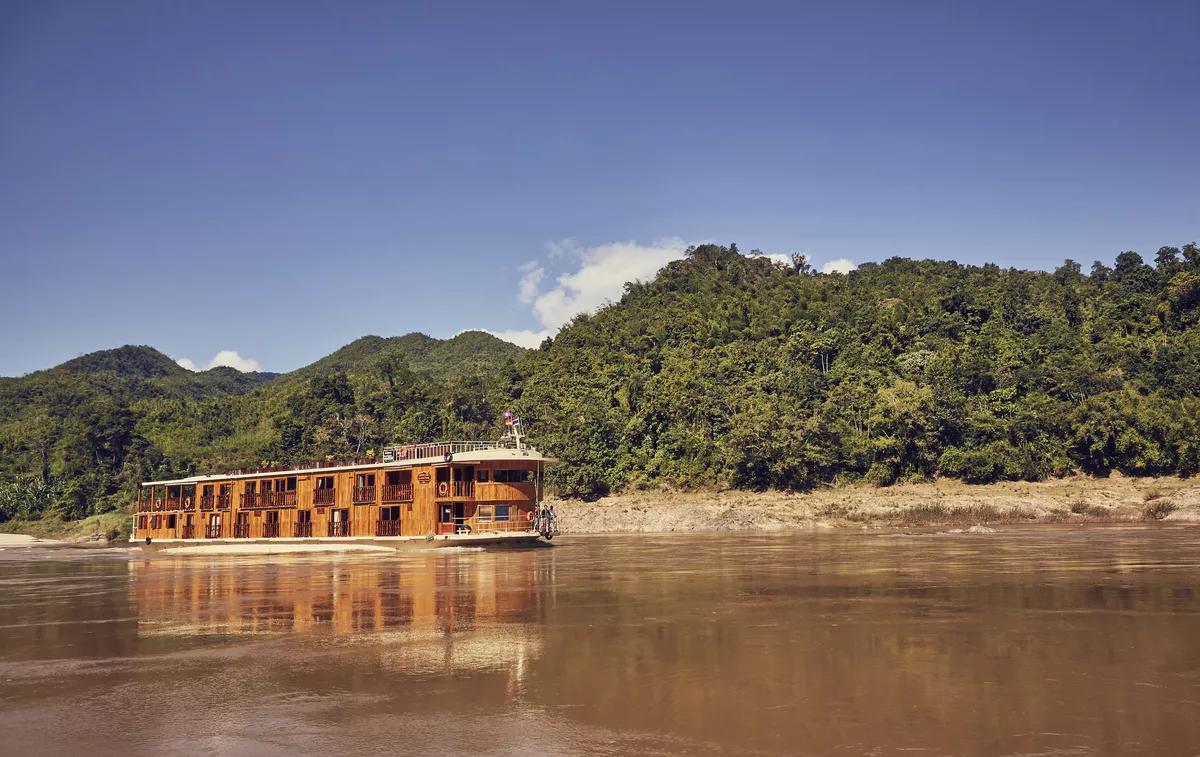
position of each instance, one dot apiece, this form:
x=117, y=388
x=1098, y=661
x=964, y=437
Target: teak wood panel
x=417, y=518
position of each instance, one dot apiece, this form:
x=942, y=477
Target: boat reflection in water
x=444, y=611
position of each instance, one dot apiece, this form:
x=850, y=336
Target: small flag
x=508, y=419
x=516, y=421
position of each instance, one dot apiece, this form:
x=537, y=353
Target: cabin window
x=395, y=477
x=170, y=521
x=304, y=516
x=251, y=487
x=443, y=474
x=502, y=477
x=390, y=513
x=325, y=482
x=364, y=480
x=485, y=513
x=207, y=490
x=142, y=523
x=502, y=512
x=513, y=476
x=481, y=475
x=243, y=519
x=290, y=484
x=226, y=490
x=272, y=516
x=156, y=522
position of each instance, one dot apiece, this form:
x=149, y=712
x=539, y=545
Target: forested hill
x=724, y=370
x=741, y=371
x=76, y=438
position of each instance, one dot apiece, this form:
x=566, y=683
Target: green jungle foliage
x=725, y=370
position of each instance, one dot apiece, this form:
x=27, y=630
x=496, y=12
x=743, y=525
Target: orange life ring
x=529, y=516
x=443, y=488
x=187, y=502
x=158, y=504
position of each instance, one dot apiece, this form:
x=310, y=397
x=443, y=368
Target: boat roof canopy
x=393, y=458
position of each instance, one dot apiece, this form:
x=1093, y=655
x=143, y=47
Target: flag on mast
x=508, y=419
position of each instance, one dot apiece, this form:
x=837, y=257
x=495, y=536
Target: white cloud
x=530, y=281
x=224, y=357
x=841, y=265
x=601, y=277
x=556, y=249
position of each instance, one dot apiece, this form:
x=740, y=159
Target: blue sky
x=277, y=179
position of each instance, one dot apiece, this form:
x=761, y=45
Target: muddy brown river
x=1034, y=641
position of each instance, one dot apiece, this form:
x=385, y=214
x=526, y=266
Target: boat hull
x=339, y=543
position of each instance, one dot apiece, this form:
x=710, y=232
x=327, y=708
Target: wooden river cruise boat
x=421, y=495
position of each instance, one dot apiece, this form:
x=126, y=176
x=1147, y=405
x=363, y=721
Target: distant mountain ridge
x=440, y=359
x=145, y=371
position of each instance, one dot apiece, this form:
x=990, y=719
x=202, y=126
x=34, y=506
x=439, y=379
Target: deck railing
x=303, y=530
x=364, y=495
x=440, y=450
x=212, y=531
x=207, y=502
x=270, y=530
x=500, y=526
x=397, y=492
x=463, y=488
x=224, y=501
x=323, y=496
x=411, y=452
x=387, y=528
x=186, y=504
x=268, y=500
x=339, y=528
x=188, y=531
x=241, y=530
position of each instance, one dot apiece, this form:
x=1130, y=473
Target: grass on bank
x=109, y=528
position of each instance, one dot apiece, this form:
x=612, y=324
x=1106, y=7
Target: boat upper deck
x=392, y=458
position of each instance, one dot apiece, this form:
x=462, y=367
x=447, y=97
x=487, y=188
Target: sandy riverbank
x=24, y=540
x=943, y=503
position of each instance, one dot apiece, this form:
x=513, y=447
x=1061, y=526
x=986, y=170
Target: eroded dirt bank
x=943, y=503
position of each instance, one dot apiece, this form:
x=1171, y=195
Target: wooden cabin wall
x=417, y=518
x=422, y=518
